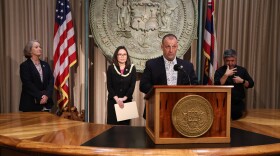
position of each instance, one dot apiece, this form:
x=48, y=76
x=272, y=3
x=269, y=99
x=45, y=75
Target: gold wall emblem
x=192, y=116
x=140, y=25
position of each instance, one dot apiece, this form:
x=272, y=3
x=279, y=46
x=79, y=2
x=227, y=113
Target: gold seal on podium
x=192, y=116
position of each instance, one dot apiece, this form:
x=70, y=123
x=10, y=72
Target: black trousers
x=237, y=108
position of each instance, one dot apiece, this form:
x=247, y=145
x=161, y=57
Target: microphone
x=179, y=68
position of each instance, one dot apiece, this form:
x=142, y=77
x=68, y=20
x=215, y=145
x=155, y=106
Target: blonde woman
x=37, y=80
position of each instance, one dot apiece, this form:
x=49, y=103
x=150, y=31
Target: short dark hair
x=28, y=47
x=230, y=53
x=167, y=36
x=115, y=59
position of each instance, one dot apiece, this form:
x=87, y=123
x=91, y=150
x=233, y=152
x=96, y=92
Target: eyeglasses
x=122, y=55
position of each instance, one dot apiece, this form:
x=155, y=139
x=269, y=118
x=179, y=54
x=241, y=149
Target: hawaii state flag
x=64, y=51
x=209, y=45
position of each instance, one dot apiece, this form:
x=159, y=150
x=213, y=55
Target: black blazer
x=32, y=87
x=155, y=74
x=118, y=85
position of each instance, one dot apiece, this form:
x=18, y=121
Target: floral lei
x=122, y=74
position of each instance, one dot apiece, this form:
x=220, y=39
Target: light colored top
x=171, y=74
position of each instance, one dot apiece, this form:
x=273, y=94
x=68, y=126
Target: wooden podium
x=161, y=100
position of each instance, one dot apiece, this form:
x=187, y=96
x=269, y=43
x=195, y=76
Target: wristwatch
x=243, y=81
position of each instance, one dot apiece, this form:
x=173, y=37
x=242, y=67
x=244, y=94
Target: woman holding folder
x=121, y=79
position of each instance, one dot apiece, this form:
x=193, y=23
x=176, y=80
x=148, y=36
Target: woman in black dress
x=121, y=79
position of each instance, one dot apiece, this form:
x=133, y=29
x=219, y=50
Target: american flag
x=210, y=45
x=64, y=48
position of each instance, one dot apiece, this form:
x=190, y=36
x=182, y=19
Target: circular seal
x=192, y=116
x=139, y=25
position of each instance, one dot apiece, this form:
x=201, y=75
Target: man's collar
x=174, y=61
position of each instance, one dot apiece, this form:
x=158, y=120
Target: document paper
x=128, y=112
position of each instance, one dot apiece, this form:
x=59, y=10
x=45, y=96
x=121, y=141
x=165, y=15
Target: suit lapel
x=45, y=72
x=179, y=74
x=34, y=70
x=126, y=70
x=162, y=70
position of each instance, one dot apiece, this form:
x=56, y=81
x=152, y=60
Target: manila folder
x=129, y=111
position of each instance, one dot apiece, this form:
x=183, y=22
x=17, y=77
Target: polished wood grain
x=262, y=121
x=161, y=101
x=217, y=101
x=46, y=127
x=45, y=133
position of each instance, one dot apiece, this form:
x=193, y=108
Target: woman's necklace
x=121, y=73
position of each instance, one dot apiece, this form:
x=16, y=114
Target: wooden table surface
x=41, y=132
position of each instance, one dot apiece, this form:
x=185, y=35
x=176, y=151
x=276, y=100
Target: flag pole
x=200, y=39
x=70, y=90
x=86, y=60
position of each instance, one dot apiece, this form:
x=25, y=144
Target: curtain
x=252, y=28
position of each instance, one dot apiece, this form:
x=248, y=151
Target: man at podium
x=167, y=69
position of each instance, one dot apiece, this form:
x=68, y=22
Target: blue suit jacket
x=155, y=74
x=32, y=87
